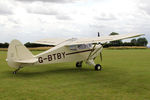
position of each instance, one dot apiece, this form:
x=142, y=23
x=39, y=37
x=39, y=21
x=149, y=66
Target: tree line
x=134, y=42
x=31, y=45
x=28, y=44
x=4, y=45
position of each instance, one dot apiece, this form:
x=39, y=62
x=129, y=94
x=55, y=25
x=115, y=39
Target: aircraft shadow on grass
x=105, y=74
x=58, y=70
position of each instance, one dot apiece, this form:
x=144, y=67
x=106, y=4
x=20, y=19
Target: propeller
x=101, y=57
x=98, y=34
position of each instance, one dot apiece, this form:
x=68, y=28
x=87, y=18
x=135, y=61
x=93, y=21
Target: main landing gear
x=79, y=64
x=98, y=67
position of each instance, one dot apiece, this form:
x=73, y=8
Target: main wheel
x=98, y=67
x=79, y=64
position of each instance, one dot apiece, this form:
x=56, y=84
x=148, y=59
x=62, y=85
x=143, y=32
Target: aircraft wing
x=50, y=41
x=75, y=41
x=103, y=39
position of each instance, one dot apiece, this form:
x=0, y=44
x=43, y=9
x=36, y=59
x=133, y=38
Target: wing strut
x=91, y=51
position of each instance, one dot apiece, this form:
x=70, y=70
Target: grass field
x=125, y=76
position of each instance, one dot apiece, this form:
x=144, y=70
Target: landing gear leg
x=98, y=67
x=17, y=70
x=90, y=62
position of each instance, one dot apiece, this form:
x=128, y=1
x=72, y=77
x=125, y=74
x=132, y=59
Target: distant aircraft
x=65, y=50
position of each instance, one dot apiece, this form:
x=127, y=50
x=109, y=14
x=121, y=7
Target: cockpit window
x=80, y=46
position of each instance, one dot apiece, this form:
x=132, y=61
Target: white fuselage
x=60, y=54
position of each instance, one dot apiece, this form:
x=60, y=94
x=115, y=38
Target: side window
x=89, y=45
x=84, y=46
x=81, y=46
x=73, y=47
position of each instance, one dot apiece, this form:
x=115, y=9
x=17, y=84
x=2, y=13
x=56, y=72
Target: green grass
x=125, y=76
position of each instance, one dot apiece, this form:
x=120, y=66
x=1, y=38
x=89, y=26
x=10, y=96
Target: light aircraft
x=65, y=50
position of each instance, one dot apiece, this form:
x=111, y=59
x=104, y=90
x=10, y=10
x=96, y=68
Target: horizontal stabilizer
x=27, y=61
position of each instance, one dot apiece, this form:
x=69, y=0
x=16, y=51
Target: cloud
x=49, y=10
x=42, y=11
x=106, y=17
x=68, y=18
x=5, y=9
x=145, y=6
x=57, y=15
x=14, y=21
x=63, y=17
x=51, y=1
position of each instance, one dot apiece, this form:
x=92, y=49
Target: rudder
x=17, y=51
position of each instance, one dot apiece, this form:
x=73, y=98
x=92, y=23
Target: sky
x=31, y=20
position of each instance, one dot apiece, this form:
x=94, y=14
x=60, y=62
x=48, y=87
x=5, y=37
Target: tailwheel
x=98, y=67
x=79, y=64
x=14, y=72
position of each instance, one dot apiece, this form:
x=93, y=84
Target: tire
x=79, y=64
x=98, y=67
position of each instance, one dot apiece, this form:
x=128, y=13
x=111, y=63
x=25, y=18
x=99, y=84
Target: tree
x=4, y=45
x=142, y=42
x=114, y=33
x=134, y=42
x=115, y=43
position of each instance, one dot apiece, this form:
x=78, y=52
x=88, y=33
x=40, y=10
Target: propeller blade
x=101, y=57
x=98, y=34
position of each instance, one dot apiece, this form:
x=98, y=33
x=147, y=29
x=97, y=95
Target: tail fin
x=18, y=54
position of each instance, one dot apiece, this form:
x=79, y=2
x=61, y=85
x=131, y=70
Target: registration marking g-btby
x=51, y=57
